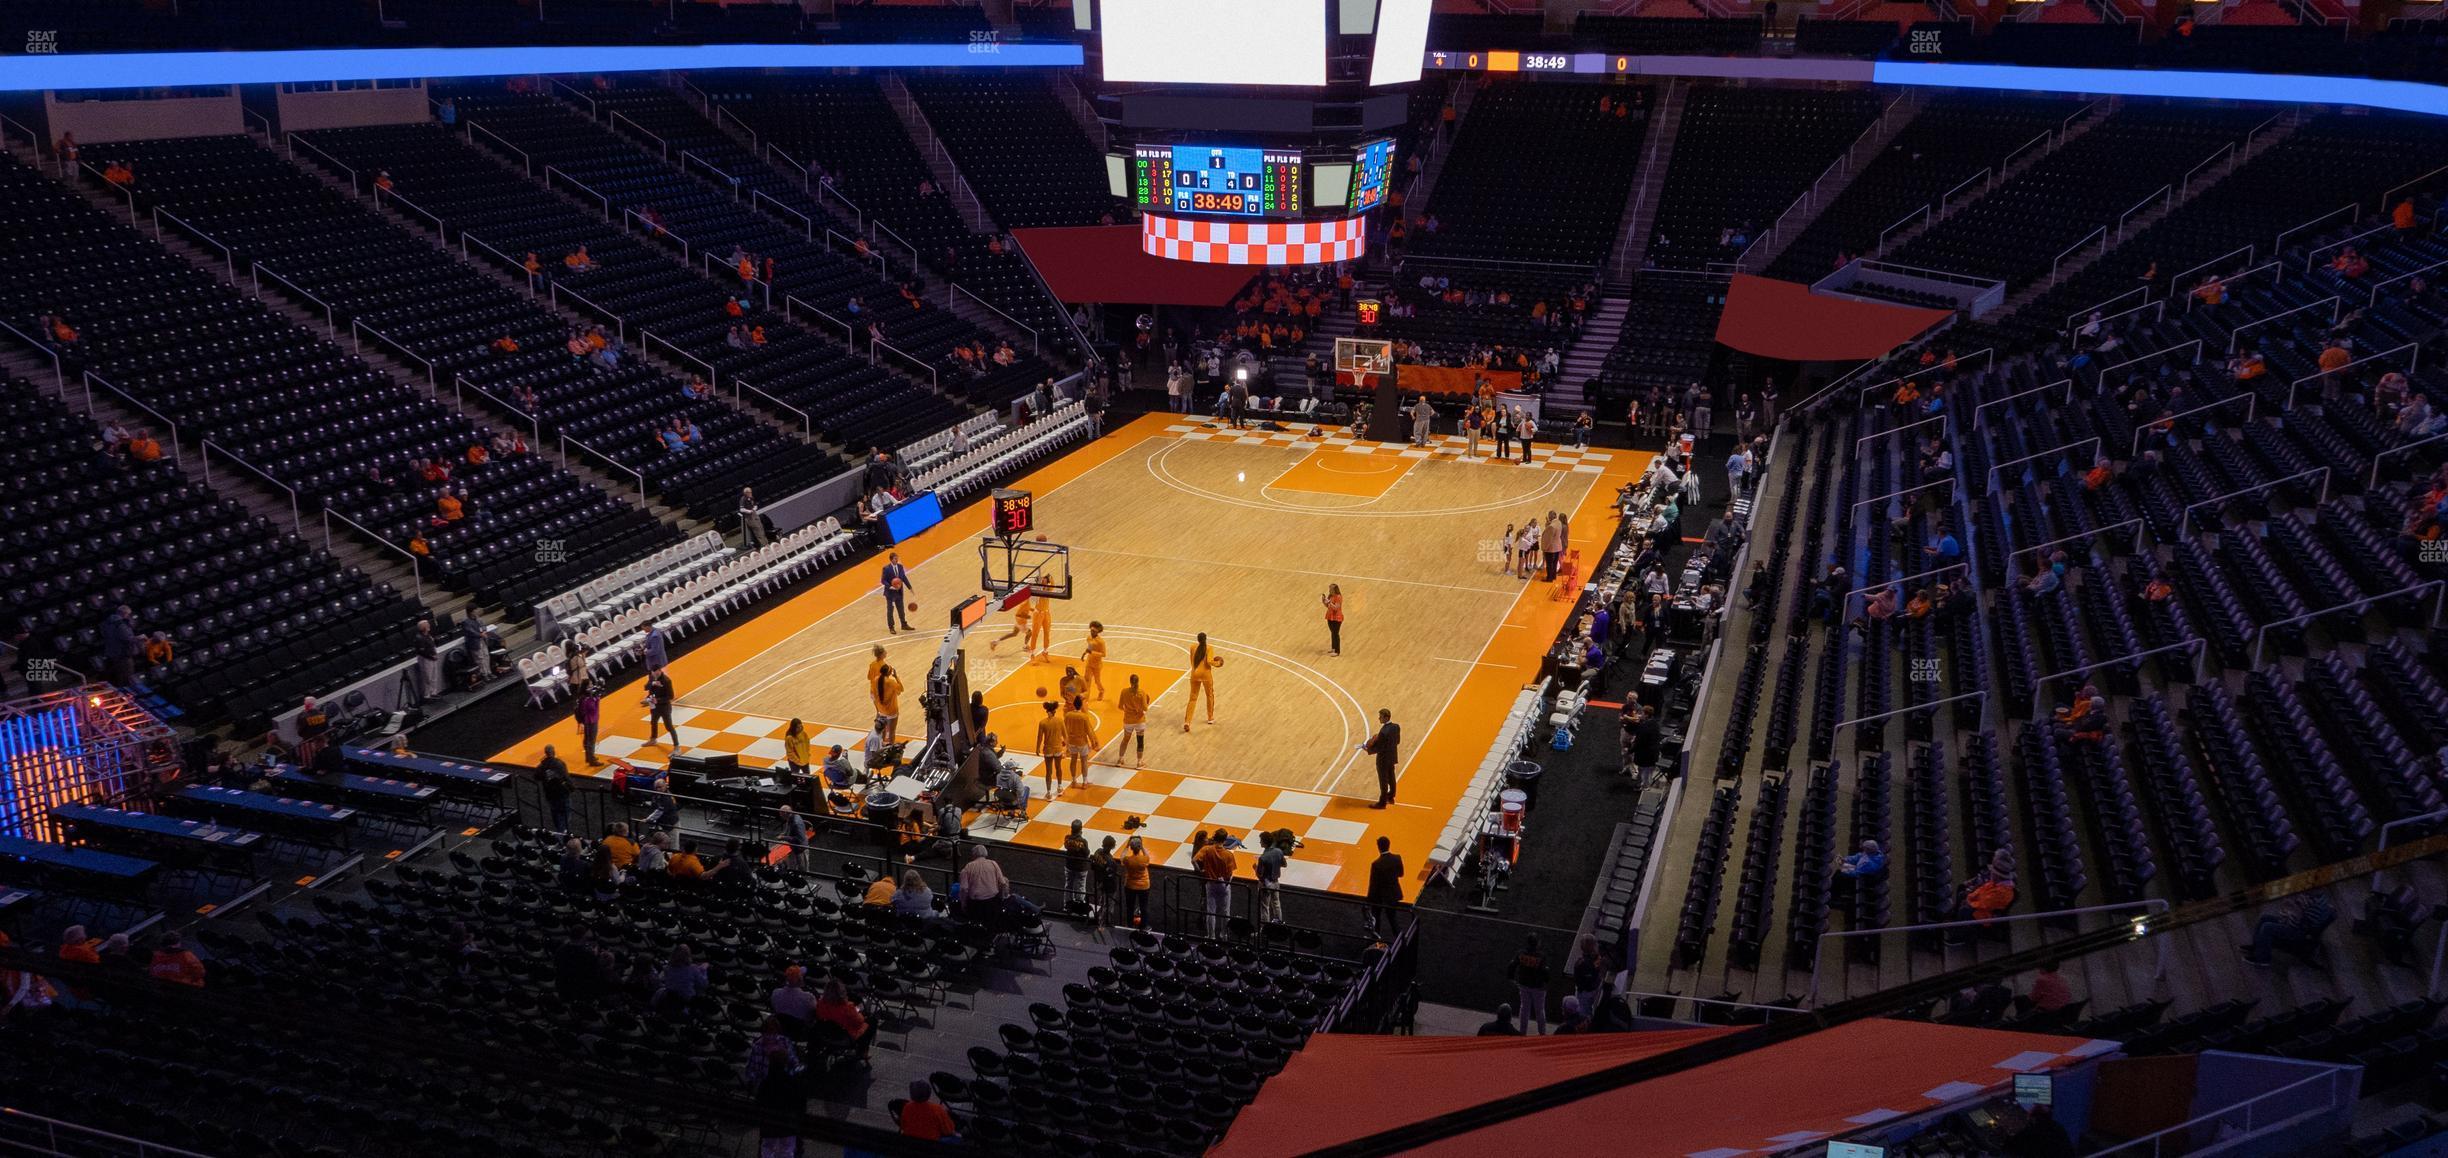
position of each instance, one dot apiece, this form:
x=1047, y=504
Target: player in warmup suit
x=1079, y=740
x=1134, y=704
x=1092, y=660
x=875, y=667
x=1050, y=744
x=1024, y=624
x=1041, y=645
x=1203, y=662
x=887, y=689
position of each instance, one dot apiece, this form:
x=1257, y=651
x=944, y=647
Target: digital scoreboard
x=1015, y=512
x=1372, y=170
x=1224, y=180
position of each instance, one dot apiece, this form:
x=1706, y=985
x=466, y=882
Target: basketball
x=913, y=605
x=1041, y=693
x=1218, y=661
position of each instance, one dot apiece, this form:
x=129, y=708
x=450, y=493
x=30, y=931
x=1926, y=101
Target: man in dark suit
x=896, y=586
x=1385, y=889
x=1386, y=745
x=553, y=773
x=659, y=697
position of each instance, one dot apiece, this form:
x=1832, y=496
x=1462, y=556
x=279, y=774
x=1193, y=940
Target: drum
x=1510, y=805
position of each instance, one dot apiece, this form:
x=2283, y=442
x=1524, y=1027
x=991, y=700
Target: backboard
x=1006, y=566
x=1362, y=362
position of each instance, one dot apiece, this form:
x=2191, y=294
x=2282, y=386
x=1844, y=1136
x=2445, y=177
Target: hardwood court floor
x=1176, y=527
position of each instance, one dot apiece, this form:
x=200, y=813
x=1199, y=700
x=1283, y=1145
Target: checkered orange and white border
x=1253, y=242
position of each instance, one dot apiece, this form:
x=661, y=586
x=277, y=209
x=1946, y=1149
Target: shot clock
x=1015, y=511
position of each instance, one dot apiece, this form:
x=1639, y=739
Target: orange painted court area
x=1224, y=776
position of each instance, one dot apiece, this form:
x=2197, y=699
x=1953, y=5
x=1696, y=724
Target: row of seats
x=512, y=543
x=1018, y=147
x=1784, y=138
x=1546, y=145
x=997, y=458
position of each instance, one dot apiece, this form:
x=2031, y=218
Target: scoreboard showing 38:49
x=1233, y=181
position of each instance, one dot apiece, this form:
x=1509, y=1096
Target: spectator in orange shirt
x=756, y=336
x=506, y=344
x=448, y=507
x=2403, y=215
x=144, y=447
x=172, y=962
x=532, y=266
x=924, y=1118
x=2335, y=357
x=382, y=179
x=580, y=260
x=477, y=454
x=120, y=173
x=418, y=546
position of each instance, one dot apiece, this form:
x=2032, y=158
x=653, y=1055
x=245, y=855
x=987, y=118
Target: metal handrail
x=581, y=186
x=535, y=422
x=721, y=111
x=656, y=230
x=1977, y=411
x=807, y=422
x=440, y=233
x=854, y=243
x=2391, y=195
x=52, y=1129
x=826, y=186
x=92, y=380
x=2335, y=304
x=951, y=288
x=2185, y=1133
x=807, y=224
x=1907, y=219
x=687, y=156
x=2352, y=210
x=849, y=332
x=2277, y=272
x=567, y=442
x=1925, y=272
x=2196, y=645
x=2153, y=904
x=2194, y=344
x=805, y=177
x=229, y=257
x=2252, y=407
x=2101, y=233
x=2312, y=257
x=593, y=110
x=256, y=273
x=620, y=326
x=646, y=340
x=2374, y=479
x=416, y=564
x=292, y=140
x=2184, y=526
x=2098, y=307
x=524, y=158
x=2412, y=273
x=204, y=449
x=2176, y=282
x=2093, y=440
x=619, y=116
x=1892, y=431
x=59, y=368
x=124, y=191
x=2436, y=586
x=2225, y=151
x=2164, y=192
x=2076, y=537
x=357, y=331
x=1985, y=175
x=268, y=130
x=2007, y=162
x=1891, y=496
x=467, y=239
x=874, y=344
x=1901, y=580
x=2412, y=351
x=876, y=225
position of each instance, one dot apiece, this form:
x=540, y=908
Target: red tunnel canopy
x=1341, y=1087
x=1783, y=319
x=1105, y=263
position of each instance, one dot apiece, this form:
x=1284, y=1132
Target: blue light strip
x=2279, y=88
x=180, y=69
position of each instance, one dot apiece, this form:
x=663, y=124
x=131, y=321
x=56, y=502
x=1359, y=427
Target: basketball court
x=1177, y=525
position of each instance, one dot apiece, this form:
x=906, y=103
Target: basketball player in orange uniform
x=1092, y=660
x=1203, y=662
x=1024, y=617
x=1050, y=745
x=1134, y=704
x=1041, y=645
x=1079, y=740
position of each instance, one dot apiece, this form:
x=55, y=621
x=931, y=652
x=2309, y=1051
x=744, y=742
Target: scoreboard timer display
x=1238, y=182
x=1373, y=168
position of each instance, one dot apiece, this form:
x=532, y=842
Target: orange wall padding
x=1783, y=319
x=1343, y=1087
x=1451, y=379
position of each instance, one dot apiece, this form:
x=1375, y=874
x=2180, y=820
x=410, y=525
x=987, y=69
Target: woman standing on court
x=1092, y=660
x=1504, y=434
x=1333, y=599
x=1529, y=430
x=887, y=691
x=1203, y=663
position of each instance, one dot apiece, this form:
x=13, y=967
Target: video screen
x=1402, y=41
x=915, y=514
x=1273, y=42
